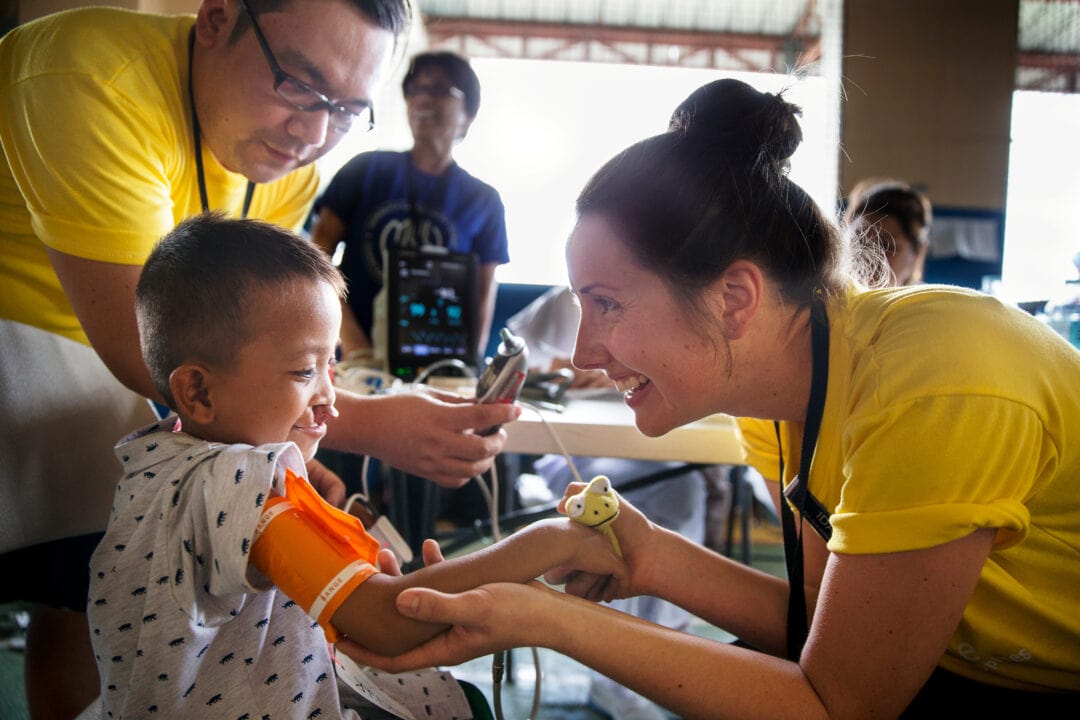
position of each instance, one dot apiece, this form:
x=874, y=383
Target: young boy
x=222, y=575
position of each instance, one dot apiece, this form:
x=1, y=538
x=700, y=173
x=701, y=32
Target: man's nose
x=310, y=127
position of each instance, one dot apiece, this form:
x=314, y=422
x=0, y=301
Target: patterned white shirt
x=181, y=626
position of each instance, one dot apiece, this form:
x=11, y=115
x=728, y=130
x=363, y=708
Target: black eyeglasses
x=302, y=96
x=413, y=89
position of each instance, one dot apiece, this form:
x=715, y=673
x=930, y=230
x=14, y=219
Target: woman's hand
x=486, y=619
x=635, y=533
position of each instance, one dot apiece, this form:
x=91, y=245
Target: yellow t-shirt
x=947, y=412
x=99, y=154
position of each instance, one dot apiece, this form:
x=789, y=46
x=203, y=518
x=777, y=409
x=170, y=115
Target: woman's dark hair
x=194, y=296
x=456, y=68
x=714, y=189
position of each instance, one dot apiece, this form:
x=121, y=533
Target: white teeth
x=628, y=385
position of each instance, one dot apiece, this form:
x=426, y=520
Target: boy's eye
x=306, y=374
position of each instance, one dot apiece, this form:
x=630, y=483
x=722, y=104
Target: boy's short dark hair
x=192, y=300
x=456, y=68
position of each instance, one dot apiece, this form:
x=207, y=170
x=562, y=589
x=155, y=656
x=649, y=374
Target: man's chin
x=267, y=166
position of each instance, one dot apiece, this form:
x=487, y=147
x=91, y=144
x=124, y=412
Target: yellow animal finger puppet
x=596, y=506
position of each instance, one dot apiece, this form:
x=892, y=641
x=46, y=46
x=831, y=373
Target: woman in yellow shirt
x=935, y=428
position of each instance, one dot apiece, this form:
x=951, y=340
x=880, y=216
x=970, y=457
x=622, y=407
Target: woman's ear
x=738, y=292
x=190, y=385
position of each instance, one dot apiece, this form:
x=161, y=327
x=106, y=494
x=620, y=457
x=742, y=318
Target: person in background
x=115, y=126
x=411, y=199
x=931, y=430
x=548, y=326
x=221, y=575
x=892, y=218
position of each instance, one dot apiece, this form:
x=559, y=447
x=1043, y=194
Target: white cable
x=558, y=441
x=496, y=532
x=353, y=498
x=486, y=492
x=491, y=498
x=363, y=478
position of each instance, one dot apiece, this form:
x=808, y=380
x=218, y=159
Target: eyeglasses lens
x=435, y=91
x=342, y=118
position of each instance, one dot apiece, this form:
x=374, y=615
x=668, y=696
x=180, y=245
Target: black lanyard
x=197, y=132
x=798, y=490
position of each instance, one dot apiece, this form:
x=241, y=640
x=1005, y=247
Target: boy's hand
x=326, y=482
x=388, y=562
x=634, y=532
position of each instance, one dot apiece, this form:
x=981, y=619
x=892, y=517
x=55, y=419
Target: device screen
x=432, y=310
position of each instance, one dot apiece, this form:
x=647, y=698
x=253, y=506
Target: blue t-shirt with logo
x=384, y=200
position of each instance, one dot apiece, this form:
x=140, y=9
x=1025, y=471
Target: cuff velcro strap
x=313, y=552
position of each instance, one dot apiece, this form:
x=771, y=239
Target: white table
x=604, y=427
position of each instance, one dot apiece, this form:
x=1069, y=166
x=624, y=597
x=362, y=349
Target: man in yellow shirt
x=115, y=126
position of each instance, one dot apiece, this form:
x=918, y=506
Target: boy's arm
x=369, y=615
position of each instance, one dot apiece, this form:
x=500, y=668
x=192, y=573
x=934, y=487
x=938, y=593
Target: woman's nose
x=588, y=353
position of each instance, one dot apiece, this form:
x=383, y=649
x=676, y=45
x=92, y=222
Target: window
x=545, y=127
x=1042, y=206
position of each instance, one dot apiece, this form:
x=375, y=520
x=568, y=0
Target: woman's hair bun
x=740, y=122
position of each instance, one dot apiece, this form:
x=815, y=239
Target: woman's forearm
x=691, y=676
x=748, y=603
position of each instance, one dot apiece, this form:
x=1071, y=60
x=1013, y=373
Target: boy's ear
x=190, y=385
x=738, y=292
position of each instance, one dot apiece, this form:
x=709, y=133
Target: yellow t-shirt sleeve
x=927, y=472
x=99, y=190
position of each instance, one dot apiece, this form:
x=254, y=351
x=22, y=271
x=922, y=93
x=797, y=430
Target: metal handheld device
x=503, y=378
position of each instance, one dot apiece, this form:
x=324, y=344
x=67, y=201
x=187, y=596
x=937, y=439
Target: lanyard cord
x=797, y=629
x=197, y=132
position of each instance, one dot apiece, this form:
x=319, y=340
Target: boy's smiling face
x=280, y=386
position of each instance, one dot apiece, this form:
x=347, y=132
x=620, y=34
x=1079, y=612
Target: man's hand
x=427, y=434
x=326, y=482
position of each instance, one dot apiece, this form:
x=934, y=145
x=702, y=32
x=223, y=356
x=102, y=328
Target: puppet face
x=594, y=506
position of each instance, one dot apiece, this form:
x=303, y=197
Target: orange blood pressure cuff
x=313, y=552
